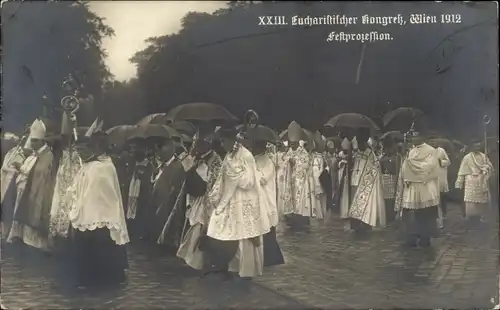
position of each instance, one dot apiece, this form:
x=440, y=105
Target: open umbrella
x=395, y=135
x=155, y=131
x=184, y=127
x=352, y=120
x=401, y=118
x=156, y=118
x=263, y=133
x=119, y=135
x=201, y=111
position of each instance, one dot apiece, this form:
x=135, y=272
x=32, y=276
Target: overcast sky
x=135, y=21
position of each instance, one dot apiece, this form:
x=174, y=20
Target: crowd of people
x=215, y=196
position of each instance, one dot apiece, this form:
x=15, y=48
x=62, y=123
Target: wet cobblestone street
x=325, y=268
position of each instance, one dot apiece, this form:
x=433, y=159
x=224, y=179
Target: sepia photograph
x=249, y=155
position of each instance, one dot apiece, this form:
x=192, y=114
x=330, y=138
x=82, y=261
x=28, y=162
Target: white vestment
x=96, y=200
x=240, y=212
x=8, y=171
x=240, y=208
x=198, y=214
x=296, y=193
x=29, y=235
x=473, y=176
x=8, y=177
x=343, y=186
x=266, y=168
x=419, y=179
x=68, y=169
x=359, y=164
x=368, y=204
x=318, y=195
x=444, y=162
x=282, y=175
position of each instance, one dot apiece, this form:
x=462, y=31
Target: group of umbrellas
x=180, y=123
x=183, y=121
x=395, y=124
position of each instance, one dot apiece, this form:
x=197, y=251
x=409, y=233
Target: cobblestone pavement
x=153, y=282
x=325, y=268
x=329, y=268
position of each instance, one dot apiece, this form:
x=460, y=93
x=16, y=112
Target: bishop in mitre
x=368, y=204
x=35, y=187
x=297, y=162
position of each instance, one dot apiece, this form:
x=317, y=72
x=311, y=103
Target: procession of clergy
x=218, y=204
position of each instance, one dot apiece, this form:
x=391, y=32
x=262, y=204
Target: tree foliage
x=42, y=43
x=291, y=72
x=123, y=103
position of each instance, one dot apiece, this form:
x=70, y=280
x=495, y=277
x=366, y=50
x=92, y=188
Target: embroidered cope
x=68, y=169
x=240, y=210
x=297, y=164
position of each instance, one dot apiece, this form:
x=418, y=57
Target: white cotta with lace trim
x=96, y=200
x=240, y=210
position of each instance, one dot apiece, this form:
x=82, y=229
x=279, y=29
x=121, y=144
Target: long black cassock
x=138, y=226
x=165, y=192
x=124, y=168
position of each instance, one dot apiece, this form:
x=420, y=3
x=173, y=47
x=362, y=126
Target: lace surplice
x=61, y=203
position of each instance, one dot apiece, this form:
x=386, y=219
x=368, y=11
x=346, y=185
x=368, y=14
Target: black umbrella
x=156, y=118
x=119, y=135
x=184, y=127
x=155, y=131
x=401, y=118
x=201, y=111
x=352, y=120
x=395, y=135
x=263, y=133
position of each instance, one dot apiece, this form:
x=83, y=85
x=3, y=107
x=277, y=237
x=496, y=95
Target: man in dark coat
x=167, y=197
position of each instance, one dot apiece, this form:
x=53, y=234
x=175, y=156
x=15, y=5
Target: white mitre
x=38, y=130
